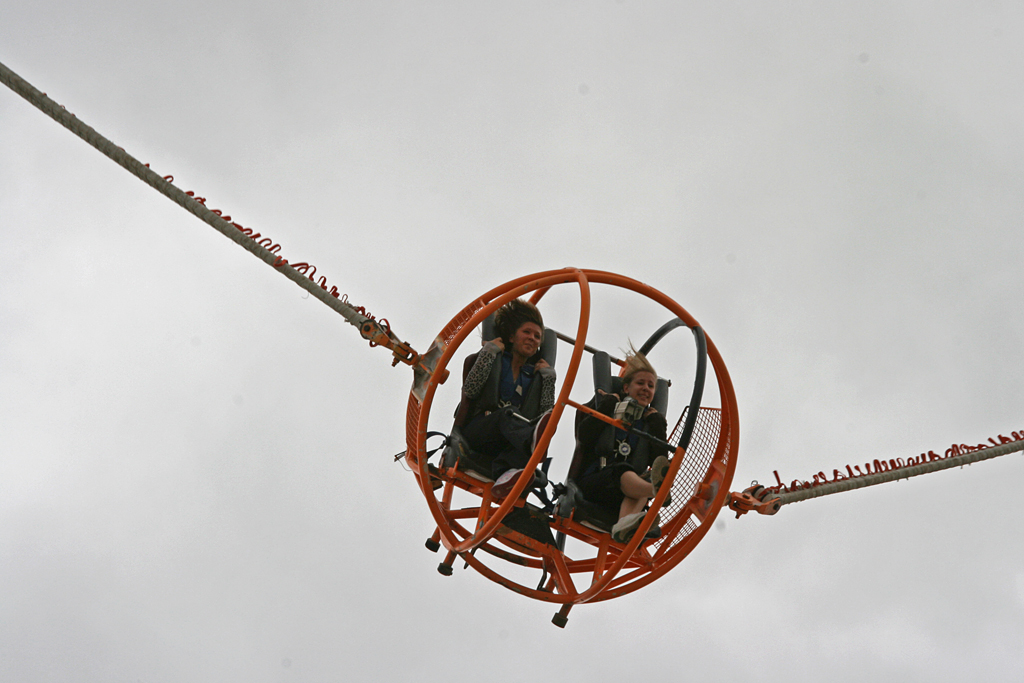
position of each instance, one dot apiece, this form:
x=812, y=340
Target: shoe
x=542, y=423
x=658, y=471
x=530, y=443
x=624, y=528
x=655, y=530
x=506, y=482
x=629, y=526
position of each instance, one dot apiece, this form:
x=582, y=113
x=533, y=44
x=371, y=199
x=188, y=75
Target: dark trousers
x=503, y=436
x=603, y=486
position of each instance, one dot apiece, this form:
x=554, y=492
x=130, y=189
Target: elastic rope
x=899, y=473
x=142, y=171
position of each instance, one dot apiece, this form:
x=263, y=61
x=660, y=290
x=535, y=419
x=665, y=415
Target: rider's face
x=526, y=340
x=641, y=387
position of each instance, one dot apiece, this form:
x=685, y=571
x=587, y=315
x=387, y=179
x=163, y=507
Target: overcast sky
x=196, y=480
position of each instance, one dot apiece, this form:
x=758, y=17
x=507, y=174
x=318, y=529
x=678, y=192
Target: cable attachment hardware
x=422, y=364
x=378, y=335
x=756, y=498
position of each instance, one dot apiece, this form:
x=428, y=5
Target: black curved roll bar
x=698, y=383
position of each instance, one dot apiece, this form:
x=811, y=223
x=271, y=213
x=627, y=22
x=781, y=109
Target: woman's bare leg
x=637, y=492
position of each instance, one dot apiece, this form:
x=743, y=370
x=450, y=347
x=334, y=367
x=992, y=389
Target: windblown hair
x=636, y=362
x=513, y=315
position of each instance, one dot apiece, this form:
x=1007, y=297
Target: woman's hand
x=541, y=364
x=500, y=344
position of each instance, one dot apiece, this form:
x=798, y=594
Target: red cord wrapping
x=271, y=246
x=878, y=466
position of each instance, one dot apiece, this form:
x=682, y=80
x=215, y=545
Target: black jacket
x=479, y=397
x=597, y=438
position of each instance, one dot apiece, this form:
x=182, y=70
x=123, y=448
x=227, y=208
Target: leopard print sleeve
x=478, y=374
x=547, y=389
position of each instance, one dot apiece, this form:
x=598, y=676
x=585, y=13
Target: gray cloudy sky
x=196, y=482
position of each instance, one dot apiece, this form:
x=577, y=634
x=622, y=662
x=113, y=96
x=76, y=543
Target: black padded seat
x=478, y=465
x=572, y=503
x=458, y=453
x=530, y=521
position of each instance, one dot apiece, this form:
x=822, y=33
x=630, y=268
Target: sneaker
x=658, y=471
x=506, y=482
x=655, y=530
x=530, y=444
x=624, y=528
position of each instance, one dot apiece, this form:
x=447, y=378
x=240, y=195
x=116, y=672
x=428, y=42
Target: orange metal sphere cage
x=699, y=477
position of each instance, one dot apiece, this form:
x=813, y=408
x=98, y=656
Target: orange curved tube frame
x=611, y=558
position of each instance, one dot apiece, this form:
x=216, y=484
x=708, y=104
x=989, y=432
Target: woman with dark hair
x=508, y=388
x=615, y=462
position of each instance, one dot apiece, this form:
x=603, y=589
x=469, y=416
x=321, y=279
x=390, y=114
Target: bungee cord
x=377, y=332
x=767, y=500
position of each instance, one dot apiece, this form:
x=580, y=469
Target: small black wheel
x=445, y=569
x=433, y=546
x=559, y=620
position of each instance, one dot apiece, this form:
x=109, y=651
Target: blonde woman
x=615, y=462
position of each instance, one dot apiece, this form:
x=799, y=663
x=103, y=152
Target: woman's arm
x=657, y=426
x=547, y=388
x=590, y=426
x=481, y=369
